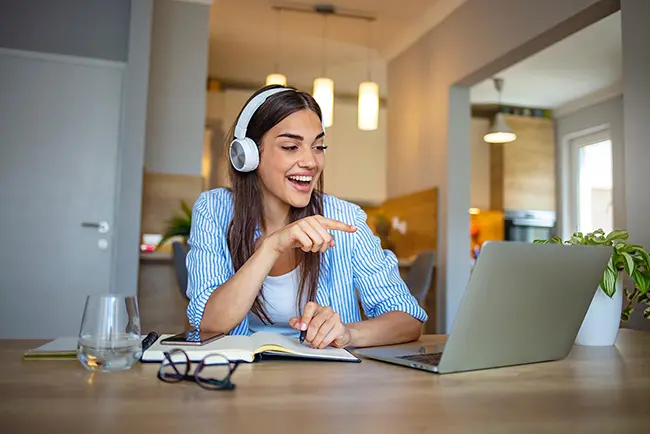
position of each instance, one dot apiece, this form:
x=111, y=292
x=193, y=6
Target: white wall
x=91, y=28
x=177, y=87
x=480, y=168
x=356, y=160
x=126, y=255
x=429, y=100
x=607, y=114
x=116, y=31
x=636, y=114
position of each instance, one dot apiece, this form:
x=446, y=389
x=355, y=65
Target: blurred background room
x=450, y=122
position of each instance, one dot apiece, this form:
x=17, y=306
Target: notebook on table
x=60, y=348
x=246, y=348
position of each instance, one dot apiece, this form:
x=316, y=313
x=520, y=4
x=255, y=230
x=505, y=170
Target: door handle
x=102, y=227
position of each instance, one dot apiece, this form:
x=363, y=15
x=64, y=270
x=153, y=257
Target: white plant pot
x=603, y=319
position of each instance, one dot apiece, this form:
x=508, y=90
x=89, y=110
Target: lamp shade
x=324, y=96
x=500, y=131
x=276, y=79
x=368, y=116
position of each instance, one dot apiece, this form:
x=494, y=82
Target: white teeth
x=301, y=178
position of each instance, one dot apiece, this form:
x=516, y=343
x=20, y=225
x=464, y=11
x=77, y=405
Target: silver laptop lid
x=524, y=303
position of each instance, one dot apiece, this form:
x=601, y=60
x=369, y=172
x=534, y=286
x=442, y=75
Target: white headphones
x=244, y=155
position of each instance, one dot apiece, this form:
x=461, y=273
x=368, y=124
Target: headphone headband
x=251, y=107
x=244, y=154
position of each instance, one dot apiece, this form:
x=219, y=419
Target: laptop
x=524, y=303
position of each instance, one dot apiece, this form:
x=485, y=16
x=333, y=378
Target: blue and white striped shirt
x=356, y=261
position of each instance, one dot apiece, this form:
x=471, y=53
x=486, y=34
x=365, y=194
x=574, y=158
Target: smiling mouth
x=301, y=182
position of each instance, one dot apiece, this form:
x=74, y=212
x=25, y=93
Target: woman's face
x=292, y=158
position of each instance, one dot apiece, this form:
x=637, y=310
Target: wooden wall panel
x=496, y=176
x=529, y=164
x=420, y=211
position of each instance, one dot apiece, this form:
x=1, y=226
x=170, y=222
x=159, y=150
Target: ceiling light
x=324, y=95
x=368, y=106
x=499, y=132
x=276, y=79
x=368, y=116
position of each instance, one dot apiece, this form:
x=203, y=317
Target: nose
x=307, y=159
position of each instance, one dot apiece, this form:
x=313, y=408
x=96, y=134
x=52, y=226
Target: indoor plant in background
x=178, y=226
x=606, y=311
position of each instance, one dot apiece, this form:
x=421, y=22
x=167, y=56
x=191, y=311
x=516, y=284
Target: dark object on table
x=179, y=251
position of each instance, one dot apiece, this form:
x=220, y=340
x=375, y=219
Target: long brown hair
x=247, y=195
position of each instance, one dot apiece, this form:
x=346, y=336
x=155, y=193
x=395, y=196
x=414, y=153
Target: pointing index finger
x=336, y=225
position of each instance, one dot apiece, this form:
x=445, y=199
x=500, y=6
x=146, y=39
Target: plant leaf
x=644, y=298
x=617, y=234
x=641, y=281
x=646, y=313
x=645, y=256
x=186, y=209
x=608, y=281
x=625, y=313
x=628, y=263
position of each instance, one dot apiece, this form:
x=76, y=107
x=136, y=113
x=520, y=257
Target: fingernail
x=303, y=326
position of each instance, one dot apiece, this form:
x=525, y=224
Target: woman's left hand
x=323, y=325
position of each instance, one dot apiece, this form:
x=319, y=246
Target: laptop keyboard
x=428, y=358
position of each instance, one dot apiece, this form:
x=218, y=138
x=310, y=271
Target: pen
x=149, y=340
x=303, y=334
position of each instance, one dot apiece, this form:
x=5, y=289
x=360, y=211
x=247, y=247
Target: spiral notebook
x=246, y=348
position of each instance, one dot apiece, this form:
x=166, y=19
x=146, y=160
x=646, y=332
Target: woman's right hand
x=311, y=234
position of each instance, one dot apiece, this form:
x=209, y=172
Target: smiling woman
x=275, y=252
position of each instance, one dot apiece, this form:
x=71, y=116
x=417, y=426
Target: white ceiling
x=243, y=39
x=584, y=63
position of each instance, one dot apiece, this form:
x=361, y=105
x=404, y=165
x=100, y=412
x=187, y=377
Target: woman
x=274, y=252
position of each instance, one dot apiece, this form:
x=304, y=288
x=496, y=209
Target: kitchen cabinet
x=522, y=173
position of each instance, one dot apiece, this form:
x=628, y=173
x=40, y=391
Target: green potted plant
x=601, y=324
x=178, y=226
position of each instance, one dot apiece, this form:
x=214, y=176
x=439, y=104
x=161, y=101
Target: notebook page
x=275, y=342
x=232, y=347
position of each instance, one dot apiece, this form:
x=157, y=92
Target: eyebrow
x=299, y=137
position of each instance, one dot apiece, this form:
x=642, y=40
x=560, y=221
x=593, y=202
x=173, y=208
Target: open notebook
x=244, y=348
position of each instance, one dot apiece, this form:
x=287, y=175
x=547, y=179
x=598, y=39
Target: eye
x=320, y=148
x=290, y=147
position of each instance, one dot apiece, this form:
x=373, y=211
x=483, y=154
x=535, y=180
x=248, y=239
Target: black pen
x=149, y=340
x=303, y=334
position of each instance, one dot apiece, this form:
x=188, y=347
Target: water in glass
x=109, y=338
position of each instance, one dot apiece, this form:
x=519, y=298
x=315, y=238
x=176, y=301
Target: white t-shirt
x=280, y=304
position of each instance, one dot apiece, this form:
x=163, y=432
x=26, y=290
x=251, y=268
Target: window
x=590, y=183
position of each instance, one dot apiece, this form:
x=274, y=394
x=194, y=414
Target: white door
x=59, y=130
x=590, y=195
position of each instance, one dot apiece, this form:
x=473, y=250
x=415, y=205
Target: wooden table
x=595, y=390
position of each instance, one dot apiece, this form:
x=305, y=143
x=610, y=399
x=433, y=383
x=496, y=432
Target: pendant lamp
x=324, y=95
x=499, y=131
x=368, y=116
x=368, y=105
x=276, y=77
x=323, y=91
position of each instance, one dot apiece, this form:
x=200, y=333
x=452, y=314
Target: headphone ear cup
x=244, y=155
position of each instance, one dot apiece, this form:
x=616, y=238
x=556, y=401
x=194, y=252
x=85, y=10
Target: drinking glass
x=109, y=338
